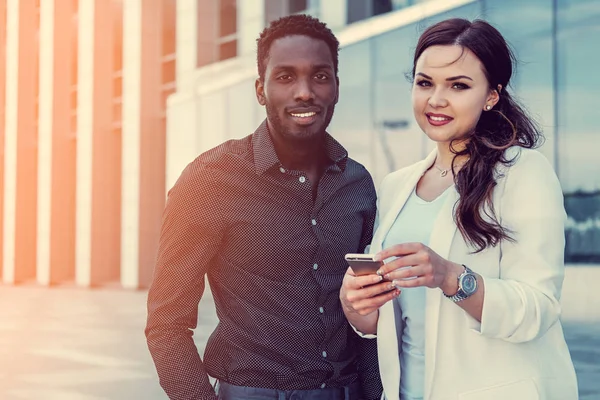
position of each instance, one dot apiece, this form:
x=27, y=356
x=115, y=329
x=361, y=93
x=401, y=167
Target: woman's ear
x=493, y=98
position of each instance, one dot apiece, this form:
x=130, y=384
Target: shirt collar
x=265, y=156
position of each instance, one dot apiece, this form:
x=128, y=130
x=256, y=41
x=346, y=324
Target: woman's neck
x=445, y=156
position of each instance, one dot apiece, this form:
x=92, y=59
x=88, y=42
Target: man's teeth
x=303, y=115
x=439, y=118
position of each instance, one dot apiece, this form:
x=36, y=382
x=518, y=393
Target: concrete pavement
x=76, y=344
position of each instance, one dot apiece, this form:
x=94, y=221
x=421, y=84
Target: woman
x=473, y=237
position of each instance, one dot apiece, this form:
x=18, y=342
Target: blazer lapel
x=440, y=241
x=386, y=327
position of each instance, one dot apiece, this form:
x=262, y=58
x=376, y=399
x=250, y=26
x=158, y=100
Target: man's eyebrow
x=287, y=67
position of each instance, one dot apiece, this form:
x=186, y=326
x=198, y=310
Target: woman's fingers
x=399, y=263
x=399, y=250
x=383, y=294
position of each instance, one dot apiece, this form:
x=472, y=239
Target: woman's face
x=450, y=92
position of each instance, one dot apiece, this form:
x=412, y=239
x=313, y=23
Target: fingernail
x=387, y=276
x=379, y=278
x=376, y=257
x=393, y=285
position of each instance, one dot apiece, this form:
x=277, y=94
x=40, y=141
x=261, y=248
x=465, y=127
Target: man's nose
x=304, y=90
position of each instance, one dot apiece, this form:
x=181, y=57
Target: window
x=168, y=61
x=296, y=6
x=275, y=9
x=360, y=9
x=227, y=40
x=217, y=31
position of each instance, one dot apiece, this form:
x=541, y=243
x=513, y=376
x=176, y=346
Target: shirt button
x=321, y=310
x=302, y=179
x=322, y=386
x=314, y=221
x=282, y=169
x=315, y=266
x=324, y=354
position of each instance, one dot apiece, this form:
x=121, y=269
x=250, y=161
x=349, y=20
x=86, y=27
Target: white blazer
x=518, y=351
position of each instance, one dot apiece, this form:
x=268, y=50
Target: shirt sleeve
x=523, y=303
x=368, y=366
x=369, y=218
x=190, y=236
x=371, y=226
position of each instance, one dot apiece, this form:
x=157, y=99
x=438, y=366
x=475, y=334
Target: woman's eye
x=460, y=86
x=423, y=83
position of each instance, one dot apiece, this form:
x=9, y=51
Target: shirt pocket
x=525, y=389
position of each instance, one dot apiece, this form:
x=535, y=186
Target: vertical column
x=98, y=185
x=143, y=178
x=182, y=124
x=250, y=22
x=2, y=113
x=20, y=148
x=56, y=157
x=188, y=25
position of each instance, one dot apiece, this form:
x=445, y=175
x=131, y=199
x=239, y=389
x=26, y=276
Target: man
x=268, y=219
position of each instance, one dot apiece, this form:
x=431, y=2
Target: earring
x=488, y=107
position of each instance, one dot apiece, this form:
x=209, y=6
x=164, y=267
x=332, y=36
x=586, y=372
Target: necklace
x=444, y=172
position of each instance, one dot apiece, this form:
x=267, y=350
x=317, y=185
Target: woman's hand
x=364, y=294
x=361, y=297
x=418, y=265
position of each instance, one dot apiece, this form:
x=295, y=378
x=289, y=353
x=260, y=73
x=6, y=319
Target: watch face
x=469, y=284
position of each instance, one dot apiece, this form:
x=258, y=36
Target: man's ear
x=337, y=90
x=259, y=87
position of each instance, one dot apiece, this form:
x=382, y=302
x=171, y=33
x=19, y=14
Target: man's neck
x=301, y=155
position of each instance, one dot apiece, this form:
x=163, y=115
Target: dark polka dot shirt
x=274, y=258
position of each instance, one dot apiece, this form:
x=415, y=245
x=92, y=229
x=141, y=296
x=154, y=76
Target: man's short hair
x=298, y=24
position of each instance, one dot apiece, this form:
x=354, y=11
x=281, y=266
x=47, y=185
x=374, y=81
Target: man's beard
x=306, y=134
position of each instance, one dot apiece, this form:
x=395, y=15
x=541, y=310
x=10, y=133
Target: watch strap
x=460, y=294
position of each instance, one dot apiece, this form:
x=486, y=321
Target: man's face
x=300, y=88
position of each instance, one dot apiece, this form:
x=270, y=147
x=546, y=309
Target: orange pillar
x=20, y=144
x=2, y=112
x=98, y=203
x=143, y=184
x=56, y=157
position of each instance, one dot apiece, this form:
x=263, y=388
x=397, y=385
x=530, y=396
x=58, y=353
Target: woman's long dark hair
x=506, y=125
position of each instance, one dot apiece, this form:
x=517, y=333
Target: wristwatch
x=467, y=285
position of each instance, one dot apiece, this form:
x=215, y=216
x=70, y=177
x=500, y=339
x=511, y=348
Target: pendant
x=444, y=173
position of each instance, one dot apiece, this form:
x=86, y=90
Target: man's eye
x=284, y=77
x=321, y=77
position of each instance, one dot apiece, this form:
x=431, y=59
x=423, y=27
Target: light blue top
x=414, y=223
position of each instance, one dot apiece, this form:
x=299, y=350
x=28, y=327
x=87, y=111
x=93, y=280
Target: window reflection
x=578, y=30
x=352, y=123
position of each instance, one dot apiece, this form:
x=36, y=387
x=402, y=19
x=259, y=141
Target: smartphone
x=363, y=264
